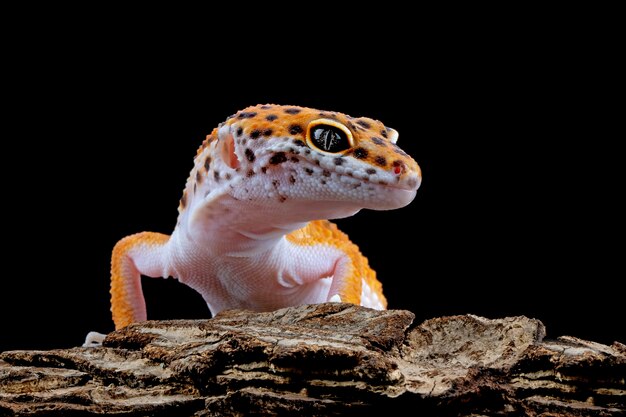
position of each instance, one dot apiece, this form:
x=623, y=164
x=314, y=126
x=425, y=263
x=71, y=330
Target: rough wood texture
x=326, y=359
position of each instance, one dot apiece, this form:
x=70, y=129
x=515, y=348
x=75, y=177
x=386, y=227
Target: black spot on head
x=239, y=131
x=309, y=171
x=198, y=176
x=271, y=117
x=228, y=176
x=247, y=115
x=370, y=171
x=294, y=160
x=292, y=110
x=267, y=132
x=378, y=141
x=255, y=134
x=250, y=173
x=216, y=175
x=282, y=198
x=264, y=169
x=278, y=158
x=412, y=182
x=364, y=124
x=292, y=179
x=295, y=129
x=250, y=155
x=207, y=162
x=275, y=183
x=298, y=142
x=360, y=153
x=323, y=181
x=326, y=173
x=397, y=150
x=338, y=161
x=307, y=151
x=380, y=160
x=265, y=107
x=384, y=133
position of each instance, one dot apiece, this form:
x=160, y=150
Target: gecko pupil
x=329, y=138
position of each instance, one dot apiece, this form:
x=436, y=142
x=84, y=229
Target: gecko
x=253, y=229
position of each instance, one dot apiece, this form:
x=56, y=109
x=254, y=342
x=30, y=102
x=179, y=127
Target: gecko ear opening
x=227, y=147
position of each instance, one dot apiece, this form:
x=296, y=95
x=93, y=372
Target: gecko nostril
x=398, y=167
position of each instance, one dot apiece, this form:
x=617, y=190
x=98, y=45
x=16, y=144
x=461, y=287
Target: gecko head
x=326, y=163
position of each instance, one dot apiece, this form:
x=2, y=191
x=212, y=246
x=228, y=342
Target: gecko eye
x=328, y=136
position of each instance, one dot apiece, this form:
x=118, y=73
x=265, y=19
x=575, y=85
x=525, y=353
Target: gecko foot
x=94, y=339
x=335, y=299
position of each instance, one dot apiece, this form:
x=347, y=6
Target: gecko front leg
x=133, y=256
x=353, y=281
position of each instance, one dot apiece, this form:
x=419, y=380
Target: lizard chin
x=391, y=198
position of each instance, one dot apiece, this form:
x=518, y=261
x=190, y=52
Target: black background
x=519, y=212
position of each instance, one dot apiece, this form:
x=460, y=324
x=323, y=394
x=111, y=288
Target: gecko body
x=252, y=229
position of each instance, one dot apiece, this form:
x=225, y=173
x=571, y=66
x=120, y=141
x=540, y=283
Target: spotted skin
x=252, y=229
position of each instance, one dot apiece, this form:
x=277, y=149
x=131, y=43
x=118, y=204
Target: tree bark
x=324, y=359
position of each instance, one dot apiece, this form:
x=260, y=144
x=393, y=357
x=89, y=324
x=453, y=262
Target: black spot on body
x=239, y=131
x=247, y=115
x=207, y=163
x=228, y=176
x=255, y=134
x=360, y=153
x=264, y=169
x=326, y=173
x=294, y=160
x=295, y=129
x=250, y=173
x=275, y=183
x=266, y=107
x=307, y=151
x=250, y=155
x=216, y=175
x=323, y=181
x=309, y=171
x=271, y=117
x=338, y=161
x=292, y=110
x=267, y=132
x=292, y=179
x=364, y=124
x=298, y=142
x=370, y=171
x=282, y=198
x=378, y=141
x=380, y=160
x=278, y=158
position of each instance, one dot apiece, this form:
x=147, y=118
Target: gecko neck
x=235, y=228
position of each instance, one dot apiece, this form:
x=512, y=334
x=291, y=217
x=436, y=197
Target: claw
x=94, y=339
x=335, y=299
